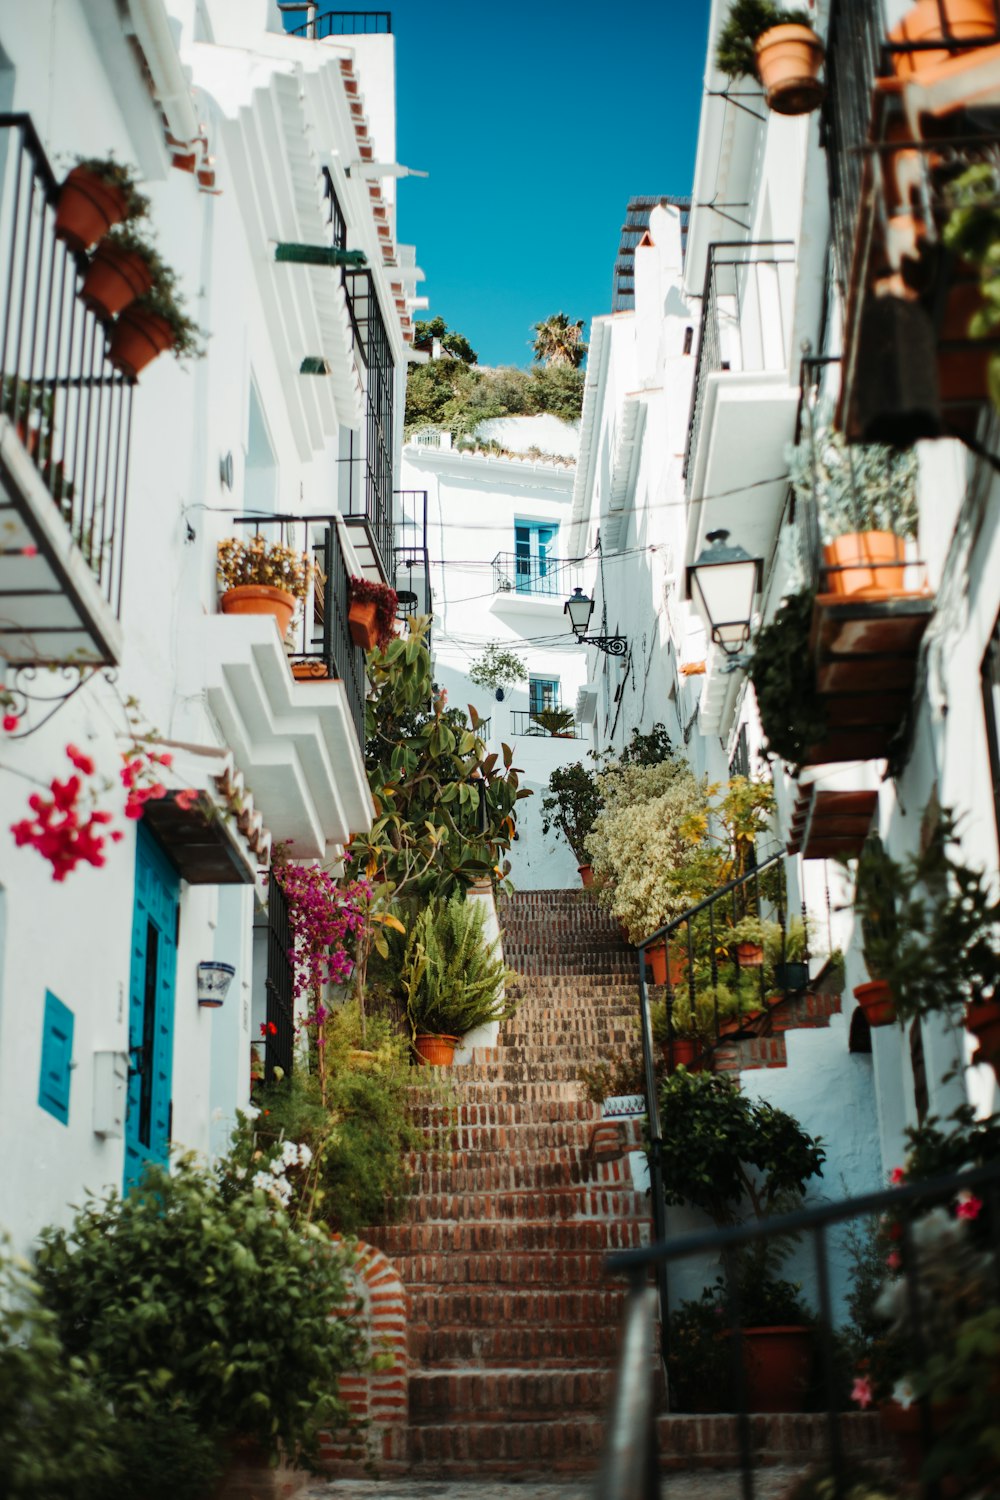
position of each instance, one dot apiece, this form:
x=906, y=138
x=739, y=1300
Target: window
x=543, y=692
x=991, y=710
x=534, y=565
x=57, y=1058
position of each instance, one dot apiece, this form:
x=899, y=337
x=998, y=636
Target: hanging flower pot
x=214, y=979
x=749, y=955
x=436, y=1051
x=88, y=207
x=371, y=616
x=966, y=19
x=361, y=623
x=858, y=563
x=140, y=336
x=982, y=1018
x=789, y=59
x=116, y=277
x=260, y=599
x=877, y=1002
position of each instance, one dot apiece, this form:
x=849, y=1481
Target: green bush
x=449, y=976
x=211, y=1300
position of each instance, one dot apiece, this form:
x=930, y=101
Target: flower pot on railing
x=214, y=979
x=115, y=279
x=260, y=599
x=876, y=1001
x=777, y=1363
x=750, y=955
x=140, y=336
x=361, y=622
x=436, y=1051
x=88, y=207
x=966, y=20
x=982, y=1018
x=789, y=59
x=865, y=562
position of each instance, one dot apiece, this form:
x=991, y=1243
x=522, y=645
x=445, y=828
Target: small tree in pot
x=497, y=669
x=571, y=804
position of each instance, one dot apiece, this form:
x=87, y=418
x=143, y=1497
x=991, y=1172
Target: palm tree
x=559, y=342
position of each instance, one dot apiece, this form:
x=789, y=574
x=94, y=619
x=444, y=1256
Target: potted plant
x=497, y=669
x=875, y=902
x=557, y=722
x=777, y=46
x=262, y=578
x=866, y=502
x=925, y=22
x=98, y=193
x=123, y=267
x=971, y=233
x=371, y=616
x=571, y=804
x=683, y=1034
x=451, y=979
x=746, y=939
x=153, y=324
x=786, y=953
x=791, y=711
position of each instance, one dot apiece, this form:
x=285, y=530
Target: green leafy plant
x=792, y=713
x=497, y=668
x=198, y=1287
x=164, y=299
x=386, y=602
x=117, y=175
x=699, y=1356
x=571, y=804
x=855, y=486
x=445, y=393
x=451, y=342
x=746, y=22
x=450, y=977
x=555, y=721
x=972, y=233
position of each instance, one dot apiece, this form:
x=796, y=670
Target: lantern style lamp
x=723, y=584
x=580, y=608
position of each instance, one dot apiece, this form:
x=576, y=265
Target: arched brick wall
x=378, y=1400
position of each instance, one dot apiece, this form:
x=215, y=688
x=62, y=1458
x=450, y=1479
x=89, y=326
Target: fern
x=451, y=980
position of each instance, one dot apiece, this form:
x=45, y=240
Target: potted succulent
x=152, y=324
x=450, y=977
x=875, y=902
x=498, y=669
x=124, y=266
x=97, y=194
x=865, y=497
x=262, y=578
x=777, y=46
x=791, y=711
x=371, y=616
x=571, y=804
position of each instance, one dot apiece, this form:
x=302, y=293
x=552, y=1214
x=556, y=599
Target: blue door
x=532, y=567
x=152, y=986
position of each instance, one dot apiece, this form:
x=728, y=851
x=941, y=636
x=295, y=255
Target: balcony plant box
x=876, y=1002
x=310, y=671
x=371, y=615
x=966, y=20
x=865, y=563
x=96, y=195
x=436, y=1051
x=789, y=59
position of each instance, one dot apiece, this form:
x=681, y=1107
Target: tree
x=455, y=344
x=559, y=342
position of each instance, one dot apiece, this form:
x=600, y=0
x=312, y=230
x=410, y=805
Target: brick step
x=560, y=1022
x=481, y=1093
x=562, y=1446
x=491, y=1111
x=749, y=1053
x=514, y=1073
x=497, y=1179
x=555, y=1203
x=543, y=1268
x=527, y=1155
x=463, y=1239
x=511, y=1051
x=553, y=1345
x=553, y=1308
x=487, y=1140
x=578, y=988
x=506, y=1396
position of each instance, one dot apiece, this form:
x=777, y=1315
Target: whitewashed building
x=113, y=497
x=743, y=322
x=502, y=567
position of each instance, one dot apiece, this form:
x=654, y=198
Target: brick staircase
x=513, y=1328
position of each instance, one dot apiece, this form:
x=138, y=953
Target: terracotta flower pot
x=260, y=599
x=361, y=624
x=789, y=59
x=686, y=1053
x=139, y=337
x=437, y=1051
x=749, y=955
x=116, y=277
x=982, y=1018
x=656, y=957
x=310, y=671
x=965, y=18
x=876, y=1001
x=88, y=207
x=586, y=874
x=858, y=562
x=776, y=1366
x=905, y=1424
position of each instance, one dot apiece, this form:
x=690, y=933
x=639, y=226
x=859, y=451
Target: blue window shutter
x=57, y=1055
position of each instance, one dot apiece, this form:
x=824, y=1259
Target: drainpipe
x=152, y=30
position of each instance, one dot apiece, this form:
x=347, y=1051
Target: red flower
x=186, y=798
x=861, y=1391
x=897, y=1176
x=10, y=722
x=968, y=1206
x=82, y=762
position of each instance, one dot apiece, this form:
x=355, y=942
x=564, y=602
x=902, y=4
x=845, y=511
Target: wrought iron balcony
x=322, y=647
x=546, y=577
x=560, y=726
x=65, y=423
x=338, y=22
x=411, y=561
x=746, y=320
x=367, y=506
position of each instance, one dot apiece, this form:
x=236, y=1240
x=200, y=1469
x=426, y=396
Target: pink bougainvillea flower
x=81, y=761
x=968, y=1206
x=30, y=551
x=894, y=1260
x=186, y=798
x=861, y=1391
x=10, y=722
x=897, y=1176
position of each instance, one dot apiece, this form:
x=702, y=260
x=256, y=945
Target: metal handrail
x=515, y=574
x=341, y=23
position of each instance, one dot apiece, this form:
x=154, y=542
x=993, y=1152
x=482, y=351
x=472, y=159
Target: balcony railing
x=72, y=412
x=369, y=490
x=321, y=641
x=410, y=558
x=526, y=722
x=543, y=576
x=339, y=22
x=745, y=319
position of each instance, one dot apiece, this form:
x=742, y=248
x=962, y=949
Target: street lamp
x=580, y=608
x=723, y=585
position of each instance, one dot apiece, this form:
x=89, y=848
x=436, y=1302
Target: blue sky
x=537, y=122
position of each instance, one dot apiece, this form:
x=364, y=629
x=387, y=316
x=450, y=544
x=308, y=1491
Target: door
x=532, y=551
x=152, y=986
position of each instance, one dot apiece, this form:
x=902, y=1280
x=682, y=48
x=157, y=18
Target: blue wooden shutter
x=57, y=1057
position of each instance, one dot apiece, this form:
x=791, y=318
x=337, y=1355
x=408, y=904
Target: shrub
x=571, y=804
x=792, y=714
x=449, y=976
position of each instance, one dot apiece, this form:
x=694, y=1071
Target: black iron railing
x=71, y=408
x=369, y=497
x=933, y=1324
x=322, y=645
x=524, y=721
x=279, y=1024
x=341, y=23
x=746, y=318
x=513, y=573
x=411, y=560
